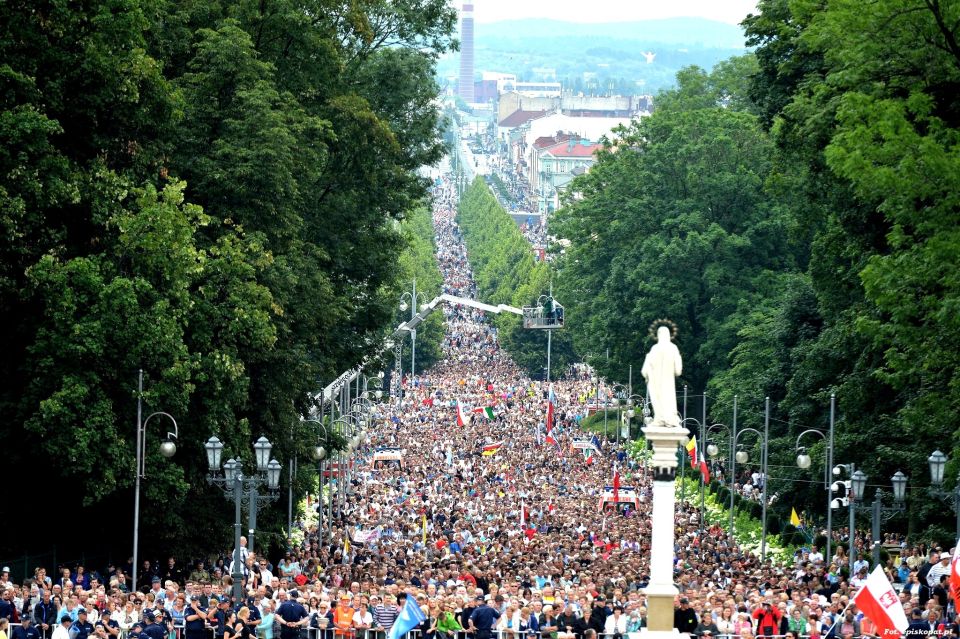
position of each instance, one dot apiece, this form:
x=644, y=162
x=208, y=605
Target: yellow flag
x=424, y=520
x=794, y=518
x=346, y=545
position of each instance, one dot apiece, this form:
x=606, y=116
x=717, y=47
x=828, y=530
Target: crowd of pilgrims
x=515, y=542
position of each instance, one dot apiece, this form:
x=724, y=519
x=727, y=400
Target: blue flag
x=596, y=442
x=410, y=617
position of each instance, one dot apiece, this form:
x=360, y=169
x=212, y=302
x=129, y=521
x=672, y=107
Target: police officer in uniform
x=152, y=629
x=110, y=627
x=293, y=616
x=26, y=630
x=482, y=619
x=195, y=620
x=81, y=628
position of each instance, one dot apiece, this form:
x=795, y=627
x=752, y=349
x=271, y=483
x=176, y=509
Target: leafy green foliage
x=419, y=261
x=672, y=221
x=506, y=273
x=214, y=193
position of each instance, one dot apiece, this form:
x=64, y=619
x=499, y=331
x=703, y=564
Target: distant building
x=465, y=85
x=617, y=106
x=554, y=163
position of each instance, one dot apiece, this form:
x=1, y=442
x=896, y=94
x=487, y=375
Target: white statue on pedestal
x=661, y=367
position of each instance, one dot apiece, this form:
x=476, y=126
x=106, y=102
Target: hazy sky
x=731, y=11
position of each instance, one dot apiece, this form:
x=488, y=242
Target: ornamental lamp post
x=804, y=462
x=938, y=465
x=168, y=448
x=243, y=490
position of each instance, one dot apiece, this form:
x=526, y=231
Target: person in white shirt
x=616, y=623
x=816, y=556
x=62, y=631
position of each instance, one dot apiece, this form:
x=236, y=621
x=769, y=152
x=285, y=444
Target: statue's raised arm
x=661, y=367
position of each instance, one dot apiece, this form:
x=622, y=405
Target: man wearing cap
x=195, y=619
x=293, y=616
x=110, y=627
x=482, y=619
x=684, y=618
x=26, y=630
x=156, y=587
x=152, y=629
x=217, y=617
x=81, y=628
x=343, y=616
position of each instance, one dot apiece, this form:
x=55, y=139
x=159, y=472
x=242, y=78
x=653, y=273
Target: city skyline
x=729, y=11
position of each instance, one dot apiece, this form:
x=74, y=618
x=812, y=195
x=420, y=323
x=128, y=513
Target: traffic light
x=841, y=494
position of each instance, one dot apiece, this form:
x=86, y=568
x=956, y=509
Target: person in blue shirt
x=482, y=619
x=292, y=616
x=195, y=620
x=81, y=628
x=26, y=630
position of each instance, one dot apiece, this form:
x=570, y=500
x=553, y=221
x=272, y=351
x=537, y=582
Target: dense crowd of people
x=493, y=522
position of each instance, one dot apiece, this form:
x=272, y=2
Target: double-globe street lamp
x=858, y=487
x=243, y=489
x=349, y=428
x=713, y=450
x=702, y=435
x=741, y=457
x=632, y=401
x=320, y=453
x=938, y=463
x=168, y=449
x=804, y=462
x=412, y=297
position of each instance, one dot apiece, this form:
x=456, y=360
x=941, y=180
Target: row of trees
x=506, y=273
x=419, y=261
x=210, y=192
x=795, y=213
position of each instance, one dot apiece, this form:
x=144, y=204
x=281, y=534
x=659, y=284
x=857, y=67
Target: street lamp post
x=712, y=451
x=168, y=449
x=620, y=394
x=741, y=457
x=631, y=412
x=319, y=454
x=938, y=462
x=243, y=490
x=412, y=298
x=858, y=485
x=804, y=461
x=703, y=429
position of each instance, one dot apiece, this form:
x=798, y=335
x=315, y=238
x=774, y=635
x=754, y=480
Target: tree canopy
x=212, y=192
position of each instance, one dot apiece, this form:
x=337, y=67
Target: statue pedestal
x=661, y=590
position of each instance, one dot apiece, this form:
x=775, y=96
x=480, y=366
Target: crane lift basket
x=547, y=314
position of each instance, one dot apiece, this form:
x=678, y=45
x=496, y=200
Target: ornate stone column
x=661, y=590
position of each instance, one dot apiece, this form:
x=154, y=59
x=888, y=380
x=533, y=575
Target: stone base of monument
x=660, y=606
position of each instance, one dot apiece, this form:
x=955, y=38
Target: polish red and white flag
x=879, y=603
x=955, y=574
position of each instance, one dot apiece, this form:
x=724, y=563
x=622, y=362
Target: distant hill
x=681, y=31
x=600, y=58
